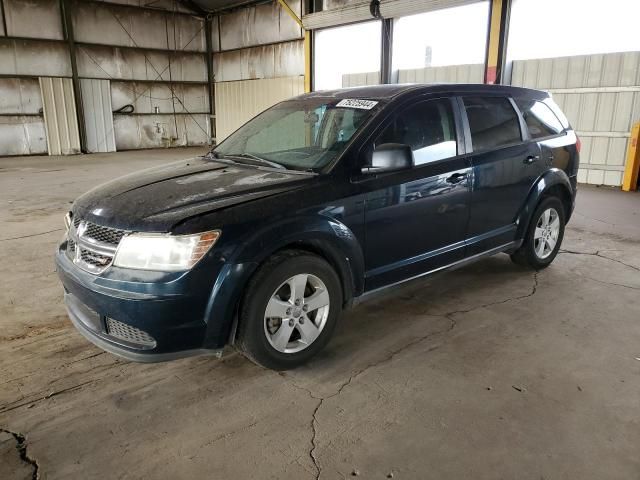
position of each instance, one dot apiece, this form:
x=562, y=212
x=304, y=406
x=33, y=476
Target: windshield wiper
x=256, y=158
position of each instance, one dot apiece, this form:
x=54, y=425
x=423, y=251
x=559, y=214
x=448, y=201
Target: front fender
x=551, y=178
x=323, y=234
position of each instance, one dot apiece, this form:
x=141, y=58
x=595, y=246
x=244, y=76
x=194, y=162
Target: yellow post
x=493, y=45
x=630, y=181
x=307, y=45
x=307, y=61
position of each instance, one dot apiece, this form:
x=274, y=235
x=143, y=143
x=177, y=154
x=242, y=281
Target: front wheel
x=544, y=235
x=290, y=309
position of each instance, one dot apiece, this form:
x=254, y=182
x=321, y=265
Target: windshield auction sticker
x=357, y=103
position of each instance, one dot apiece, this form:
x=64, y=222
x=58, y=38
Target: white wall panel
x=259, y=25
x=127, y=64
x=154, y=131
x=238, y=102
x=33, y=18
x=34, y=57
x=20, y=96
x=472, y=73
x=600, y=94
x=22, y=135
x=360, y=79
x=98, y=116
x=145, y=97
x=130, y=27
x=60, y=119
x=268, y=61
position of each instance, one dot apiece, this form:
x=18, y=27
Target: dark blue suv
x=317, y=202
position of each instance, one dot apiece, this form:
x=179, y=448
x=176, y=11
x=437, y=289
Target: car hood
x=156, y=199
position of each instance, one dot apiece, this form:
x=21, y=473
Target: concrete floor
x=491, y=371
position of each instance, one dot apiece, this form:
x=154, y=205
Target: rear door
x=547, y=130
x=505, y=166
x=416, y=219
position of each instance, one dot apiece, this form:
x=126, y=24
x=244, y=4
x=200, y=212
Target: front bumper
x=154, y=322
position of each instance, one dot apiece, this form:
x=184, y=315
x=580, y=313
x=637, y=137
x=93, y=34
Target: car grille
x=91, y=246
x=128, y=333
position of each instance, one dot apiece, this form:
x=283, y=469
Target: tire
x=295, y=332
x=532, y=253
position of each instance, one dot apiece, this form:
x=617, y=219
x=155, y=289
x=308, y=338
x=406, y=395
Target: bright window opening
x=344, y=50
x=452, y=36
x=553, y=28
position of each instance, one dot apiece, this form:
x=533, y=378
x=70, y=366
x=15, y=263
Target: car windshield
x=298, y=134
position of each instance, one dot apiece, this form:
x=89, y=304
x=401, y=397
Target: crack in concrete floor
x=389, y=357
x=21, y=446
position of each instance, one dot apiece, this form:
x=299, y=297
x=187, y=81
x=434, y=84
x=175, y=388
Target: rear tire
x=544, y=235
x=289, y=311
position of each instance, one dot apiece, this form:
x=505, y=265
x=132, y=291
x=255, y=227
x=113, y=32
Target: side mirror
x=388, y=157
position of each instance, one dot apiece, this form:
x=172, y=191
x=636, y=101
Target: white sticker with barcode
x=357, y=103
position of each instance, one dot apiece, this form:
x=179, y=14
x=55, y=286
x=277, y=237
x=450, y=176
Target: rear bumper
x=150, y=327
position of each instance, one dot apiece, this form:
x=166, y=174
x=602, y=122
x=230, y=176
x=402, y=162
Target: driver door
x=416, y=219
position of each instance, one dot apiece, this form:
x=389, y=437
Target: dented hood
x=156, y=199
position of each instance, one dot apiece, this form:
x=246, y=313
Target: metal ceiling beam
x=193, y=6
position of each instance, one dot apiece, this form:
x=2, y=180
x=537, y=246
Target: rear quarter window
x=540, y=119
x=493, y=122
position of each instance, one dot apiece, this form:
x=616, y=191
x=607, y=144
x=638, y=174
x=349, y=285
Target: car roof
x=390, y=91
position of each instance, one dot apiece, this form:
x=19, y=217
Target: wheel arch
x=554, y=182
x=325, y=237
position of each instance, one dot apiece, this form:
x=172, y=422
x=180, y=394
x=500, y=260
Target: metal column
x=210, y=80
x=386, y=50
x=67, y=28
x=499, y=13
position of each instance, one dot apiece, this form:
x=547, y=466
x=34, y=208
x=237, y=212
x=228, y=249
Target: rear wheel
x=544, y=235
x=289, y=310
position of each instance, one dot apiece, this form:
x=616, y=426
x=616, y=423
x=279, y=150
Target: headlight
x=148, y=251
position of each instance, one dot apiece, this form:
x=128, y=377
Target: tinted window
x=541, y=121
x=493, y=122
x=428, y=128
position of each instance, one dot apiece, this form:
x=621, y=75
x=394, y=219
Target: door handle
x=531, y=158
x=456, y=178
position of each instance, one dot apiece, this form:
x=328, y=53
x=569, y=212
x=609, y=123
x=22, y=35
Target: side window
x=428, y=128
x=541, y=121
x=493, y=122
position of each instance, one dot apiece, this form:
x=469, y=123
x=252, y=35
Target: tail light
x=578, y=144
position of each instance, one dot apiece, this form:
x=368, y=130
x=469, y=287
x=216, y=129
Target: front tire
x=544, y=235
x=290, y=309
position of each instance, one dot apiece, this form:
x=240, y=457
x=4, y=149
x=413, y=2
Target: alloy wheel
x=545, y=236
x=296, y=313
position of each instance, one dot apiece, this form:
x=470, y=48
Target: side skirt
x=506, y=248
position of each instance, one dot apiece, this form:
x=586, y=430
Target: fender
x=321, y=233
x=553, y=177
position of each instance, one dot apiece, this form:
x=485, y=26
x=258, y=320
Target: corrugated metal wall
x=601, y=96
x=98, y=116
x=470, y=73
x=237, y=102
x=360, y=79
x=60, y=119
x=259, y=61
x=21, y=120
x=157, y=54
x=473, y=73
